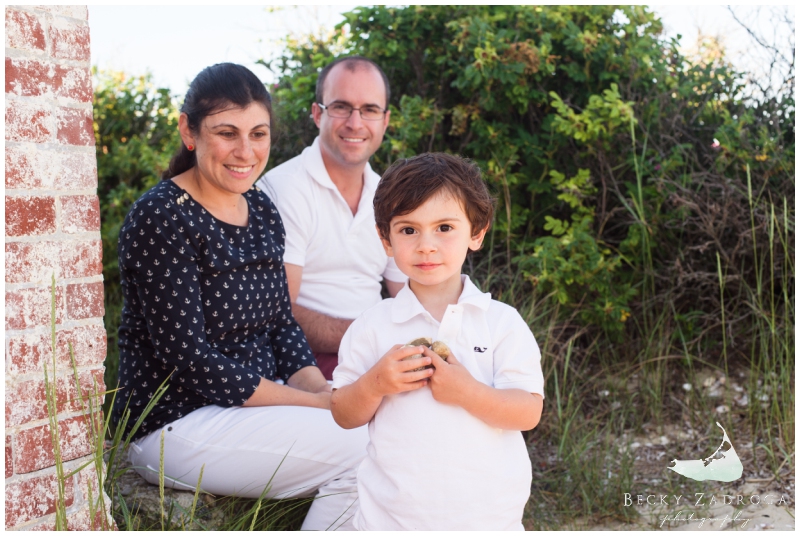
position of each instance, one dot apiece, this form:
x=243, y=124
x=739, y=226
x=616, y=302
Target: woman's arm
x=272, y=394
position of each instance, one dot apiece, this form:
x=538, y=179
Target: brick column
x=52, y=227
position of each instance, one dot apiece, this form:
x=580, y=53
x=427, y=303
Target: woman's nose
x=245, y=149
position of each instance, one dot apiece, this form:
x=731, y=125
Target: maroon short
x=326, y=363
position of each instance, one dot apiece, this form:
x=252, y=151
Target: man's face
x=350, y=142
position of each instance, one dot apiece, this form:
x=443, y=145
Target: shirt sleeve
x=295, y=209
x=517, y=360
x=168, y=287
x=357, y=353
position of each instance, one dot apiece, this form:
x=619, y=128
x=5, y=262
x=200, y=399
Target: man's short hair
x=409, y=182
x=351, y=63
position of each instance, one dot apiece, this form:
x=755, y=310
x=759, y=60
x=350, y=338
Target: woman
x=207, y=313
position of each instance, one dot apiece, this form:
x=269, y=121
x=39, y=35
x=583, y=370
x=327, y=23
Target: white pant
x=297, y=451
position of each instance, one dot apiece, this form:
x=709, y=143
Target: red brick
x=30, y=167
x=30, y=215
x=34, y=446
x=85, y=300
x=80, y=259
x=27, y=352
x=80, y=213
x=69, y=40
x=30, y=307
x=27, y=122
x=33, y=78
x=75, y=127
x=34, y=498
x=24, y=30
x=32, y=262
x=27, y=401
x=36, y=262
x=9, y=458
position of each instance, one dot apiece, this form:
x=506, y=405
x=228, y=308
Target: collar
x=406, y=305
x=315, y=166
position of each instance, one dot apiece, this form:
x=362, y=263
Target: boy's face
x=430, y=244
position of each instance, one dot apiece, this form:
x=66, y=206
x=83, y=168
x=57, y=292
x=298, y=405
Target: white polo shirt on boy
x=342, y=257
x=433, y=466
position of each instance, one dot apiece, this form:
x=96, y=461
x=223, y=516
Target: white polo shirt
x=433, y=466
x=342, y=257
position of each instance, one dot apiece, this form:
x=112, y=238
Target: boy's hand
x=451, y=381
x=390, y=375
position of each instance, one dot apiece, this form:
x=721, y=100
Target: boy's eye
x=407, y=231
x=445, y=228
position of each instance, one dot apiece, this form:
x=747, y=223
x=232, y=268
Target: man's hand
x=451, y=382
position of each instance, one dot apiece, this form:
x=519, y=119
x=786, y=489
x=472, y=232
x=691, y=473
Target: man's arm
x=393, y=287
x=323, y=332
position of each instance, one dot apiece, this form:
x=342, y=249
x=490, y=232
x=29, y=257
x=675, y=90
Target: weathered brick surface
x=28, y=122
x=27, y=401
x=76, y=12
x=34, y=446
x=27, y=352
x=81, y=258
x=35, y=78
x=24, y=30
x=75, y=126
x=80, y=213
x=30, y=215
x=30, y=307
x=52, y=228
x=69, y=39
x=29, y=167
x=9, y=458
x=85, y=300
x=36, y=262
x=34, y=498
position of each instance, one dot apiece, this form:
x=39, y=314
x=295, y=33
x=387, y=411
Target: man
x=334, y=259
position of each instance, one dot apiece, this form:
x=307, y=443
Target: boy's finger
x=436, y=361
x=410, y=364
x=401, y=352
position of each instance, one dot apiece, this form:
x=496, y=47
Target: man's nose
x=355, y=121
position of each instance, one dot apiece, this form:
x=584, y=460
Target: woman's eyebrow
x=234, y=127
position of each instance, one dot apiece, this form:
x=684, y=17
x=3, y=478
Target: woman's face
x=232, y=147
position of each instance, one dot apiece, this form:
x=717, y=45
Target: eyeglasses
x=341, y=110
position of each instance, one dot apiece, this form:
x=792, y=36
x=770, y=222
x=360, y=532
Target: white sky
x=176, y=42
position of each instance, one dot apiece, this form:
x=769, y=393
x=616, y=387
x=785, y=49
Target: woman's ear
x=477, y=240
x=387, y=246
x=186, y=133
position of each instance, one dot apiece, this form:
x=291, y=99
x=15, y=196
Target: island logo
x=723, y=466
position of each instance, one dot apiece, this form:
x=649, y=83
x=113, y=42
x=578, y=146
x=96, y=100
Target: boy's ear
x=387, y=246
x=477, y=240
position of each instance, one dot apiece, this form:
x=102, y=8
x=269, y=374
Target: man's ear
x=387, y=246
x=316, y=113
x=186, y=134
x=477, y=240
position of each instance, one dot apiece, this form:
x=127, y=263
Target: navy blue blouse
x=206, y=307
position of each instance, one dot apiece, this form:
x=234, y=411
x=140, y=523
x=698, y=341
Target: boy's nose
x=426, y=244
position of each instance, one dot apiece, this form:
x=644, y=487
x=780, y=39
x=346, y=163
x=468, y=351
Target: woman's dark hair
x=216, y=88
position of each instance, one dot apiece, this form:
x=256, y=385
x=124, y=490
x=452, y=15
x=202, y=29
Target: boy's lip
x=427, y=265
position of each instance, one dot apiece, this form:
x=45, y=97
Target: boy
x=445, y=451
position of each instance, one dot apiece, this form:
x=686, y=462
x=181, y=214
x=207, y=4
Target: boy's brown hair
x=409, y=182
